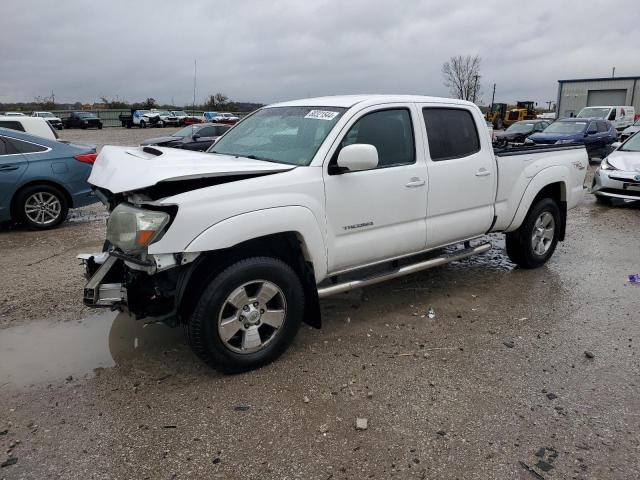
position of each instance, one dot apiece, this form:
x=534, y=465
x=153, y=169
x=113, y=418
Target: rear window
x=26, y=147
x=12, y=125
x=451, y=133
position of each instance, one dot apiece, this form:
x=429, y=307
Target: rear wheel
x=535, y=241
x=41, y=207
x=247, y=315
x=143, y=124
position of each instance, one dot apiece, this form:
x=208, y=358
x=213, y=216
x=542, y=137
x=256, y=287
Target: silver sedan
x=619, y=173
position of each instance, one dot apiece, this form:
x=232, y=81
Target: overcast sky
x=265, y=51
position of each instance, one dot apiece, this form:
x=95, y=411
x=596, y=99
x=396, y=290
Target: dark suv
x=82, y=120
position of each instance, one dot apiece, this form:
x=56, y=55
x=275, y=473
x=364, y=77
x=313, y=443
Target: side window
x=451, y=132
x=13, y=125
x=390, y=131
x=538, y=127
x=602, y=127
x=221, y=130
x=612, y=115
x=26, y=147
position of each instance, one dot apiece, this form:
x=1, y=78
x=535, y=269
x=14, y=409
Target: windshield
x=594, y=112
x=86, y=115
x=164, y=114
x=520, y=128
x=566, y=127
x=186, y=131
x=45, y=114
x=179, y=113
x=631, y=145
x=289, y=135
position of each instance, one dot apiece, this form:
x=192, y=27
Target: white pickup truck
x=310, y=198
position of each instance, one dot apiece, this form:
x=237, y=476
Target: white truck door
x=462, y=174
x=379, y=213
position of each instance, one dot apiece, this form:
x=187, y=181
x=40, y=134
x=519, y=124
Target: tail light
x=86, y=158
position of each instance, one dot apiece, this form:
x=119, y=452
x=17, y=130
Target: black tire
x=26, y=194
x=100, y=126
x=519, y=243
x=603, y=200
x=143, y=124
x=202, y=330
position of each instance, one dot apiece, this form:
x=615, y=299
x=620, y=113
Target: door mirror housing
x=615, y=145
x=359, y=156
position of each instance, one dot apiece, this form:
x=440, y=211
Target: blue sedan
x=41, y=179
x=595, y=134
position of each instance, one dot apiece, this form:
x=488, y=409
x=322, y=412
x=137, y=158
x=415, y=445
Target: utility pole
x=475, y=88
x=613, y=72
x=493, y=97
x=549, y=104
x=195, y=73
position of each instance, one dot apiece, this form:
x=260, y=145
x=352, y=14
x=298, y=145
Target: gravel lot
x=521, y=374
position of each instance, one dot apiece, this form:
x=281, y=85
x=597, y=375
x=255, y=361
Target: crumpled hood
x=125, y=169
x=626, y=161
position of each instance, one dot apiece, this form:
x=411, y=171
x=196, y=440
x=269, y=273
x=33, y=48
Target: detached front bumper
x=616, y=184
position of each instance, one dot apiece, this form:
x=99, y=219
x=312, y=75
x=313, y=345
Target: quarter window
x=26, y=147
x=451, y=133
x=390, y=131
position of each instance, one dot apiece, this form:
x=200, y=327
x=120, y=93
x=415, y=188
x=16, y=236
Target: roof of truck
x=351, y=100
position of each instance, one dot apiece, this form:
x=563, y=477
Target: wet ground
x=520, y=374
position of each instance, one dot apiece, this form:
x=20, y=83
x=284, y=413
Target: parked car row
x=595, y=134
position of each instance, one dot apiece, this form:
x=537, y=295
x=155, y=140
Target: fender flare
x=259, y=223
x=548, y=176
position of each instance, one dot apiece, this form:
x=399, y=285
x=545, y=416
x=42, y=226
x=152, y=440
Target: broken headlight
x=130, y=228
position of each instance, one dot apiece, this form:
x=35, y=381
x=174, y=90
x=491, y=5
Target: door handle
x=7, y=168
x=415, y=183
x=483, y=172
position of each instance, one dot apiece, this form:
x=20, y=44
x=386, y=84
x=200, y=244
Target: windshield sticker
x=321, y=114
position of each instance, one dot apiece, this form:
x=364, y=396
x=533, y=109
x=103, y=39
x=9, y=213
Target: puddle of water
x=46, y=352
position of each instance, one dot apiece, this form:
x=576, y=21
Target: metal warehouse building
x=574, y=95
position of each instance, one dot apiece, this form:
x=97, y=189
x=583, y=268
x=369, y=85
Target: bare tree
x=462, y=76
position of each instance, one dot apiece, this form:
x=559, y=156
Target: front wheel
x=247, y=315
x=535, y=241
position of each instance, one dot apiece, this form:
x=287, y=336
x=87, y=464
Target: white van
x=621, y=117
x=33, y=125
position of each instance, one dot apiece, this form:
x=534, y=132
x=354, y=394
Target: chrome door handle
x=482, y=173
x=415, y=183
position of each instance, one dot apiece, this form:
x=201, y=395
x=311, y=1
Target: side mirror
x=359, y=156
x=615, y=145
x=195, y=136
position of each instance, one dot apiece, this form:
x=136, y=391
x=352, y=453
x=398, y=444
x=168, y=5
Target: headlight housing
x=130, y=228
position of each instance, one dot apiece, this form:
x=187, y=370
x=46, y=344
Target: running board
x=405, y=270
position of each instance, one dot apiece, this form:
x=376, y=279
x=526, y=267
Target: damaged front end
x=125, y=276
